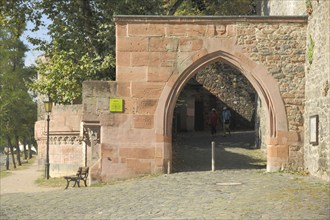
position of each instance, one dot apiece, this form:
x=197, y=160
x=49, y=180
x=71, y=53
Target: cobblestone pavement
x=228, y=193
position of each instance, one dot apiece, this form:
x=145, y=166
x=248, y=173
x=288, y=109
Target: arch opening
x=257, y=75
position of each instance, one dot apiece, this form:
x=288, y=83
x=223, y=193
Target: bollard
x=213, y=163
x=168, y=167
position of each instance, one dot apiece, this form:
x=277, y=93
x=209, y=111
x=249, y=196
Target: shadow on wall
x=204, y=102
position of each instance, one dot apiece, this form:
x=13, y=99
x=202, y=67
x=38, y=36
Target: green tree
x=210, y=7
x=82, y=45
x=82, y=35
x=17, y=109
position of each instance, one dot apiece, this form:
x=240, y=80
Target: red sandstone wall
x=65, y=148
x=156, y=56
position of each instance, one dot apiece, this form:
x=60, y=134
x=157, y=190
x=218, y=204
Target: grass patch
x=101, y=184
x=25, y=165
x=60, y=182
x=295, y=172
x=51, y=182
x=5, y=173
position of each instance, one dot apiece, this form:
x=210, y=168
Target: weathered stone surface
x=309, y=87
x=143, y=121
x=267, y=51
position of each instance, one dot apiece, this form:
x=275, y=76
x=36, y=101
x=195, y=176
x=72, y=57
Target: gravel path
x=22, y=181
x=228, y=193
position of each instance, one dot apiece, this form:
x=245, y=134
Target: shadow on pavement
x=193, y=152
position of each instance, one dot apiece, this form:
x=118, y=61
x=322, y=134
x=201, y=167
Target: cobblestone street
x=238, y=190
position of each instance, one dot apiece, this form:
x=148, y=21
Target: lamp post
x=48, y=108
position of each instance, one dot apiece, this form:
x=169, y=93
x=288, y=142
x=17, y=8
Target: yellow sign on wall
x=116, y=105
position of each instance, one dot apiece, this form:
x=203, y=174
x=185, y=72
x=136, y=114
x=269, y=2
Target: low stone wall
x=66, y=151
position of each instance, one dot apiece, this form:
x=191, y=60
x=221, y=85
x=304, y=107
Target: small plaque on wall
x=314, y=130
x=116, y=105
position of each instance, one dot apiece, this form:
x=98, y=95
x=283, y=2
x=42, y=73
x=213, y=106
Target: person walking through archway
x=213, y=122
x=226, y=116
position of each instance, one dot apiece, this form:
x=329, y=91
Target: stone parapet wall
x=65, y=145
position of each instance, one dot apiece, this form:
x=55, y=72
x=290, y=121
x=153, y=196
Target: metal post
x=213, y=154
x=168, y=167
x=47, y=150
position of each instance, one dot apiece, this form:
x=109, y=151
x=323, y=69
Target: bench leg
x=67, y=184
x=76, y=182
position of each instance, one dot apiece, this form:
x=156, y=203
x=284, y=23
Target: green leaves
x=62, y=73
x=17, y=109
x=82, y=35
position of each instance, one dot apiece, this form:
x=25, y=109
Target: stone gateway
x=155, y=58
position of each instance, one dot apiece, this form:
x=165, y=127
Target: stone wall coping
x=63, y=133
x=208, y=19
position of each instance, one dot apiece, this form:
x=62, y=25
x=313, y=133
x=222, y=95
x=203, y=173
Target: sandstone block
x=131, y=44
x=121, y=30
x=143, y=121
x=146, y=30
x=123, y=59
x=210, y=31
x=190, y=45
x=146, y=106
x=159, y=74
x=112, y=119
x=147, y=90
x=176, y=30
x=140, y=59
x=196, y=30
x=139, y=166
x=163, y=44
x=136, y=74
x=199, y=55
x=124, y=89
x=137, y=153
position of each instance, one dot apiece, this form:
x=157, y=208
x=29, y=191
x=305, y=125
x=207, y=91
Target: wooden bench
x=82, y=174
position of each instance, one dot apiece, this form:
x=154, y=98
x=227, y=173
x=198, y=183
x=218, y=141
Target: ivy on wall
x=310, y=49
x=309, y=7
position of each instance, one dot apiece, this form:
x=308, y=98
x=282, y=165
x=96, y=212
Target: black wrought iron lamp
x=48, y=109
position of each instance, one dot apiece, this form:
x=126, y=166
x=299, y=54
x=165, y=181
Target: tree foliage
x=210, y=7
x=17, y=109
x=82, y=32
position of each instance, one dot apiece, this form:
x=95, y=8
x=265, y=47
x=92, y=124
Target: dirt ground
x=23, y=181
x=192, y=151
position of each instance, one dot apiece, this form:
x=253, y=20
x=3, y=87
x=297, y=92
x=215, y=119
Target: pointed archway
x=155, y=58
x=265, y=85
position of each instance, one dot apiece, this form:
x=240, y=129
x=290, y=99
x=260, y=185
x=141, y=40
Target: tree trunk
x=24, y=148
x=18, y=153
x=11, y=151
x=29, y=150
x=7, y=159
x=175, y=6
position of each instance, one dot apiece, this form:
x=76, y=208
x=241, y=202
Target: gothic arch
x=264, y=84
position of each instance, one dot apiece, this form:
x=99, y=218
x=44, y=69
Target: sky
x=32, y=54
